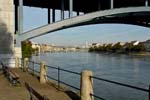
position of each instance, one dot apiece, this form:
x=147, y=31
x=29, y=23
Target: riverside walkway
x=9, y=92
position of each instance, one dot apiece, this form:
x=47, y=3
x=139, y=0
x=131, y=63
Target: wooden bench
x=13, y=77
x=5, y=70
x=34, y=95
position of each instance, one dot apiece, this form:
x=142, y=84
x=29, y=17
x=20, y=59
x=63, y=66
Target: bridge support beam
x=49, y=16
x=20, y=17
x=53, y=15
x=16, y=19
x=70, y=8
x=99, y=5
x=146, y=3
x=111, y=4
x=78, y=13
x=62, y=9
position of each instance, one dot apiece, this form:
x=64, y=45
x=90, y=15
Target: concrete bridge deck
x=9, y=92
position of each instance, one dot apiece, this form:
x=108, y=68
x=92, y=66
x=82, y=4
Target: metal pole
x=16, y=19
x=111, y=4
x=33, y=68
x=58, y=78
x=146, y=3
x=49, y=16
x=62, y=9
x=70, y=8
x=99, y=5
x=78, y=13
x=53, y=13
x=149, y=92
x=20, y=17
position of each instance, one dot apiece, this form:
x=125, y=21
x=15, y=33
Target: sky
x=77, y=36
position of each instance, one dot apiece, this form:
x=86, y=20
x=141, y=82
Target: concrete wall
x=6, y=26
x=7, y=32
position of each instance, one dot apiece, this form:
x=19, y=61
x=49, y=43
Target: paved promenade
x=9, y=92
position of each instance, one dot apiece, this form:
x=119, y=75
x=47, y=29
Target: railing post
x=25, y=64
x=16, y=62
x=149, y=92
x=86, y=85
x=58, y=77
x=33, y=68
x=43, y=76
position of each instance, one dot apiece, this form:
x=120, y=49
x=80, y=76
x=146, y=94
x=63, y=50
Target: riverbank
x=140, y=54
x=118, y=53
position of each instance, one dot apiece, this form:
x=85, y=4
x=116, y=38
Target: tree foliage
x=26, y=49
x=118, y=48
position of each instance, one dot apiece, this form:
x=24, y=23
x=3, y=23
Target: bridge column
x=20, y=17
x=70, y=8
x=53, y=15
x=78, y=13
x=16, y=19
x=49, y=16
x=146, y=3
x=62, y=9
x=111, y=4
x=99, y=6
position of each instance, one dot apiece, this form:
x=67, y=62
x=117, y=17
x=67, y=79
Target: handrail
x=51, y=67
x=97, y=96
x=51, y=78
x=58, y=78
x=77, y=73
x=130, y=86
x=69, y=85
x=70, y=71
x=34, y=62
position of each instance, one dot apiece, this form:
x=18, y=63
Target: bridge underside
x=139, y=18
x=134, y=15
x=85, y=6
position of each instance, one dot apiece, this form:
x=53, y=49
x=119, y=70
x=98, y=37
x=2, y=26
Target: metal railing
x=33, y=68
x=121, y=84
x=59, y=81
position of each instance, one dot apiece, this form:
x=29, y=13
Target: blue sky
x=100, y=33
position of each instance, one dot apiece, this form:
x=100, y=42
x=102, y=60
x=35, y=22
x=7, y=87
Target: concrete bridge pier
x=7, y=31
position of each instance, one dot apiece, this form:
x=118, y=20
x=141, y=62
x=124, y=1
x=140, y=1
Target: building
x=147, y=45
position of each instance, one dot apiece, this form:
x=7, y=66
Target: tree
x=26, y=49
x=117, y=47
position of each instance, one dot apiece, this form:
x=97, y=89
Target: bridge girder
x=85, y=6
x=131, y=15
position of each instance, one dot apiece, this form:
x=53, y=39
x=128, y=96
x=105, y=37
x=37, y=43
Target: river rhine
x=132, y=70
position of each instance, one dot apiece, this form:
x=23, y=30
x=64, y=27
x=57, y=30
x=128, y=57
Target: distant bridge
x=136, y=12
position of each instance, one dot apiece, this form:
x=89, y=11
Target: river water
x=127, y=69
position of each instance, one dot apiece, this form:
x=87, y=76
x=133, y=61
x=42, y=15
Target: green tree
x=26, y=49
x=117, y=47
